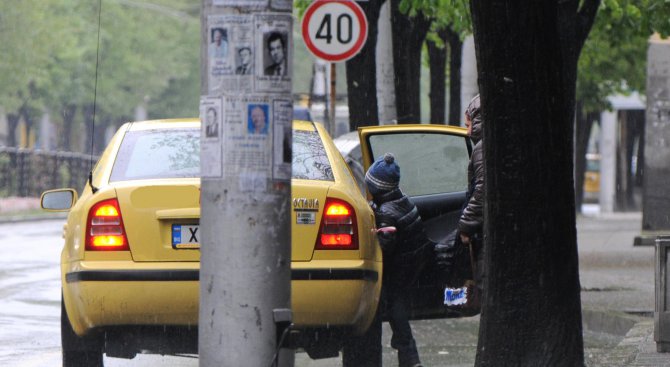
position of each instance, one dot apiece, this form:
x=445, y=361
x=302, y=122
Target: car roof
x=195, y=122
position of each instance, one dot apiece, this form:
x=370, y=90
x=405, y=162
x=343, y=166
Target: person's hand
x=465, y=239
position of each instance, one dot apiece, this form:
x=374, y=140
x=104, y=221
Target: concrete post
x=656, y=194
x=469, y=86
x=608, y=154
x=662, y=306
x=385, y=73
x=246, y=110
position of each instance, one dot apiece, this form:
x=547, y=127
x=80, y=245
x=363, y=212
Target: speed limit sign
x=334, y=30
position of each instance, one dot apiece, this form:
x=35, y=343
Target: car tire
x=78, y=351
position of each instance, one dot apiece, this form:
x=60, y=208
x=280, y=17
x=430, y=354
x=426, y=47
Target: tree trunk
x=88, y=111
x=12, y=124
x=583, y=125
x=69, y=111
x=527, y=63
x=437, y=57
x=361, y=74
x=408, y=36
x=455, y=58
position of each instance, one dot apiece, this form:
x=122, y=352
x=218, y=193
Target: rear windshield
x=160, y=153
x=175, y=153
x=310, y=161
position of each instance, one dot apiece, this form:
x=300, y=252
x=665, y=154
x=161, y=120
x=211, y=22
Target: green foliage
x=148, y=51
x=453, y=14
x=614, y=56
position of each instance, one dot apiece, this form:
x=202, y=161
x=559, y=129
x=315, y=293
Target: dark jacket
x=405, y=251
x=472, y=218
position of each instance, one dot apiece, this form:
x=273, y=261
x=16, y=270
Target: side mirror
x=58, y=200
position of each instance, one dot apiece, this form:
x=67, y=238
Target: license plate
x=185, y=236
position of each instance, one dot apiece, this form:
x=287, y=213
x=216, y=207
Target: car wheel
x=78, y=351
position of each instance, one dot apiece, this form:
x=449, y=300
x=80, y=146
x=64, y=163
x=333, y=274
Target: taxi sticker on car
x=185, y=236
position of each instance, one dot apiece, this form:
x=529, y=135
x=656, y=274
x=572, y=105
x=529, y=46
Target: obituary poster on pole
x=282, y=111
x=248, y=135
x=211, y=115
x=273, y=60
x=230, y=59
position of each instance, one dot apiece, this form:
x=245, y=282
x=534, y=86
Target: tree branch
x=585, y=18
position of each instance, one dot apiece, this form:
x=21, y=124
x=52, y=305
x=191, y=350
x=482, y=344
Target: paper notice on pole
x=281, y=4
x=230, y=54
x=256, y=4
x=274, y=63
x=283, y=139
x=211, y=115
x=247, y=138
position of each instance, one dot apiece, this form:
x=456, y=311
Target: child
x=401, y=251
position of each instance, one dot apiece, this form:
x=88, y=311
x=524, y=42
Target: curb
x=31, y=217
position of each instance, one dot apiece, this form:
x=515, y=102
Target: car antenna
x=95, y=98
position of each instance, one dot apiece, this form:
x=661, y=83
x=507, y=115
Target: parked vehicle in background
x=592, y=178
x=302, y=113
x=130, y=261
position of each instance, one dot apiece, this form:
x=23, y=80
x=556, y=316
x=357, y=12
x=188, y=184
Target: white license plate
x=185, y=236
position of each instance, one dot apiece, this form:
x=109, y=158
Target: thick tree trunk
x=361, y=74
x=527, y=60
x=408, y=36
x=455, y=56
x=437, y=57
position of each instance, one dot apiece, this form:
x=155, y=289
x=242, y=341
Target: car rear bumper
x=324, y=293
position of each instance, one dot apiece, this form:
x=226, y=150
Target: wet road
x=30, y=311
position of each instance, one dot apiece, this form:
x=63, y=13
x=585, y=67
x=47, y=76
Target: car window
x=429, y=163
x=173, y=153
x=310, y=161
x=159, y=153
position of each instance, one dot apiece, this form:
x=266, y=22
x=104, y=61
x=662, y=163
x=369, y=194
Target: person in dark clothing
x=470, y=225
x=402, y=251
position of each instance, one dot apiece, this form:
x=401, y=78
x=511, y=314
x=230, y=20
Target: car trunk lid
x=164, y=219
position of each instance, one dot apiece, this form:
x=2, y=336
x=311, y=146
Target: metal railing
x=28, y=173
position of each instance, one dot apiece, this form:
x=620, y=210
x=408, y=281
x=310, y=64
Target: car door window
x=430, y=163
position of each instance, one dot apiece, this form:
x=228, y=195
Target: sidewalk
x=618, y=290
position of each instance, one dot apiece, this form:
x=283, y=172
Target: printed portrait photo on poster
x=218, y=45
x=244, y=61
x=275, y=53
x=257, y=121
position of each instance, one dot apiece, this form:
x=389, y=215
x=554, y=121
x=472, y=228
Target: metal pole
x=246, y=113
x=333, y=99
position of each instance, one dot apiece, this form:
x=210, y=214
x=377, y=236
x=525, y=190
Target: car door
x=433, y=162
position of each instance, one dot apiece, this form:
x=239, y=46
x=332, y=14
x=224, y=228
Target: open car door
x=433, y=162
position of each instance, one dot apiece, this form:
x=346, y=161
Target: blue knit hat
x=383, y=175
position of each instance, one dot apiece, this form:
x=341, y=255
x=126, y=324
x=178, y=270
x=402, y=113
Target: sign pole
x=246, y=114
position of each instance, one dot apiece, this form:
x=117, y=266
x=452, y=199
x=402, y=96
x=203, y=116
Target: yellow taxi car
x=121, y=267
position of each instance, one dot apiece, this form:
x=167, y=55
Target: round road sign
x=334, y=30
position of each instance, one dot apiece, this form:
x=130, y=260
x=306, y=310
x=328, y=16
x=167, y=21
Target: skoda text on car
x=130, y=285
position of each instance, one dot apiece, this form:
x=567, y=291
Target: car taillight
x=338, y=227
x=104, y=229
